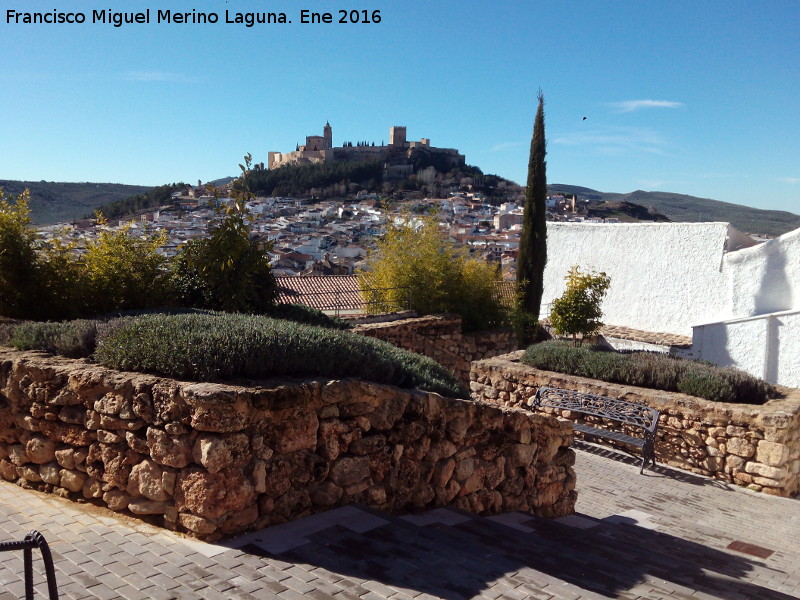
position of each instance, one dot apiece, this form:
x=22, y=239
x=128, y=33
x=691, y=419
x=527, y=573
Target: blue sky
x=701, y=98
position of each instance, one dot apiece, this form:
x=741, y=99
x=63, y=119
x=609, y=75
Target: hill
x=626, y=212
x=684, y=208
x=53, y=202
x=150, y=199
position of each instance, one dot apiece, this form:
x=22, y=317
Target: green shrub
x=747, y=386
x=421, y=270
x=74, y=339
x=607, y=366
x=123, y=271
x=557, y=356
x=228, y=269
x=651, y=370
x=527, y=327
x=7, y=327
x=22, y=286
x=578, y=311
x=704, y=382
x=304, y=314
x=210, y=347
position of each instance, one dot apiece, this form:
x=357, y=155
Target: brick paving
x=665, y=534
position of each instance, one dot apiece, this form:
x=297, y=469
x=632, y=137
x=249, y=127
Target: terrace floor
x=664, y=534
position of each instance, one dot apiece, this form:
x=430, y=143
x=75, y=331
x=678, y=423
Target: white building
x=739, y=301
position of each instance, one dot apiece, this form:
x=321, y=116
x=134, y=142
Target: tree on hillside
x=533, y=241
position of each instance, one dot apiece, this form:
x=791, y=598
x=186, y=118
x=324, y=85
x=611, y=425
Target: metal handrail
x=32, y=540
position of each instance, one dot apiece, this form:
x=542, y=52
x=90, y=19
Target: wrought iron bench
x=635, y=416
x=32, y=540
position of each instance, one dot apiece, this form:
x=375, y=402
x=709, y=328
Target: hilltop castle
x=398, y=156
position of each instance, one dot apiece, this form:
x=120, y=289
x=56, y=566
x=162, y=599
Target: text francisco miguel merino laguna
x=118, y=19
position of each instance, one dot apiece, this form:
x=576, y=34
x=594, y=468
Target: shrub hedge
x=208, y=346
x=651, y=370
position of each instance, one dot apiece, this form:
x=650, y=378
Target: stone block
x=772, y=453
x=735, y=431
x=213, y=495
x=29, y=473
x=196, y=524
x=734, y=463
x=146, y=479
x=168, y=450
x=51, y=473
x=18, y=455
x=140, y=506
x=116, y=500
x=350, y=470
x=260, y=476
x=65, y=457
x=92, y=488
x=755, y=468
x=8, y=470
x=740, y=447
x=767, y=482
x=217, y=451
x=72, y=480
x=73, y=435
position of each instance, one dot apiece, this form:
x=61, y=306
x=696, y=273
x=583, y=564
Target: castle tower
x=327, y=133
x=397, y=137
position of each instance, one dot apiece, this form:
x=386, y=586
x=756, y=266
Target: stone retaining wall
x=753, y=446
x=439, y=337
x=213, y=459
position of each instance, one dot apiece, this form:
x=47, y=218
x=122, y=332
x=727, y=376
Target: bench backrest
x=638, y=415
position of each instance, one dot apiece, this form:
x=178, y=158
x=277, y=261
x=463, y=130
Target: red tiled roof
x=327, y=293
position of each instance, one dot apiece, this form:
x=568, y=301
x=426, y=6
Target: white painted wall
x=742, y=306
x=765, y=278
x=767, y=346
x=665, y=277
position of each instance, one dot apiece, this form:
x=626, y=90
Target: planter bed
x=757, y=446
x=215, y=459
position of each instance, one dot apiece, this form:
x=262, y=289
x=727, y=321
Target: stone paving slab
x=664, y=534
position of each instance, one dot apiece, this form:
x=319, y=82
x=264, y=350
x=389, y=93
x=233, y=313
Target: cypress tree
x=533, y=241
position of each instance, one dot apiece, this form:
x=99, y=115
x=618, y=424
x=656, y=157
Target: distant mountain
x=221, y=181
x=626, y=212
x=151, y=199
x=683, y=208
x=53, y=202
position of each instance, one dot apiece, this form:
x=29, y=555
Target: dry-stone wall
x=753, y=446
x=440, y=338
x=213, y=459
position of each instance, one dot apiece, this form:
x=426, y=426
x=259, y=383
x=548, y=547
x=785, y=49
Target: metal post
x=28, y=560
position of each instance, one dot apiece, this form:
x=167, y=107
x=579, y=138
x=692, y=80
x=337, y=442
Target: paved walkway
x=666, y=534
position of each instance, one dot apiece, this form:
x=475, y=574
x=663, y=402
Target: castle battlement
x=398, y=153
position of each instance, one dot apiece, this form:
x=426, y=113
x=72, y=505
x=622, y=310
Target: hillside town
x=332, y=237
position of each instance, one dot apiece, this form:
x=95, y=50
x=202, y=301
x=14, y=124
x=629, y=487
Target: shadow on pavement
x=659, y=470
x=463, y=560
